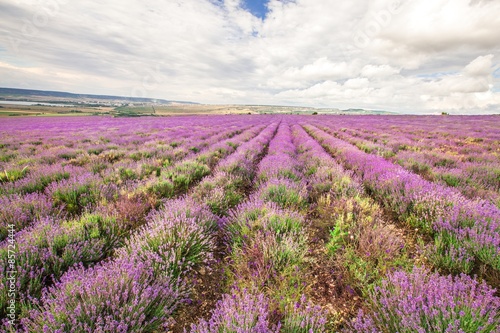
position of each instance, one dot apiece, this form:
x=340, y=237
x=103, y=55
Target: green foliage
x=13, y=175
x=75, y=199
x=337, y=235
x=177, y=248
x=139, y=155
x=97, y=167
x=148, y=169
x=360, y=243
x=249, y=222
x=270, y=262
x=211, y=158
x=68, y=155
x=423, y=214
x=97, y=226
x=365, y=272
x=367, y=149
x=59, y=246
x=284, y=224
x=49, y=159
x=448, y=254
x=450, y=180
x=42, y=182
x=161, y=188
x=95, y=151
x=221, y=202
x=445, y=163
x=387, y=154
x=420, y=168
x=284, y=196
x=187, y=173
x=111, y=156
x=7, y=157
x=285, y=173
x=127, y=174
x=311, y=170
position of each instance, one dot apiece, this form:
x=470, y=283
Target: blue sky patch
x=436, y=75
x=256, y=7
x=496, y=73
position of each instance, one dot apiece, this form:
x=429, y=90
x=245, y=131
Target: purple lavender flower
x=425, y=302
x=242, y=311
x=304, y=317
x=179, y=237
x=119, y=296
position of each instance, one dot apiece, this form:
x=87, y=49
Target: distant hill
x=364, y=111
x=29, y=94
x=146, y=106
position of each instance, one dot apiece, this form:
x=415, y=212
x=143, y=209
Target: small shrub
x=40, y=183
x=7, y=157
x=285, y=193
x=68, y=155
x=303, y=317
x=149, y=169
x=127, y=174
x=180, y=236
x=242, y=312
x=337, y=235
x=269, y=260
x=424, y=302
x=451, y=180
x=113, y=297
x=74, y=198
x=448, y=254
x=13, y=175
x=21, y=211
x=161, y=189
x=220, y=192
x=98, y=167
x=255, y=215
x=130, y=210
x=95, y=151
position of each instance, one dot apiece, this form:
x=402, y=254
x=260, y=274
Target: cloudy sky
x=399, y=55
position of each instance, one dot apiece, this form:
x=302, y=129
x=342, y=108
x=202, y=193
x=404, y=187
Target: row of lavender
x=462, y=154
x=267, y=249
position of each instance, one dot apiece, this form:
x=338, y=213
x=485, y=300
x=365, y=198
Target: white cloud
x=480, y=66
x=375, y=71
x=410, y=55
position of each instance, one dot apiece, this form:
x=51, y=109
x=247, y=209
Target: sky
x=413, y=56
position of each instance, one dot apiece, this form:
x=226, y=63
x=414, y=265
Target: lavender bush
x=179, y=236
x=242, y=312
x=304, y=317
x=425, y=302
x=285, y=193
x=256, y=215
x=120, y=296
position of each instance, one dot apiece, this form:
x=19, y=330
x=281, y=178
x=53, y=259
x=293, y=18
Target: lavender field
x=250, y=223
